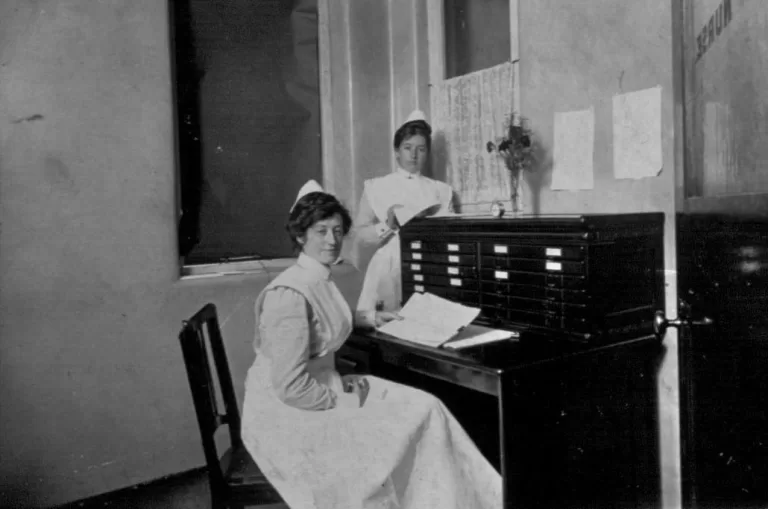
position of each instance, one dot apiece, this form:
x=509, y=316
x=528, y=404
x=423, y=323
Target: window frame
x=253, y=265
x=436, y=45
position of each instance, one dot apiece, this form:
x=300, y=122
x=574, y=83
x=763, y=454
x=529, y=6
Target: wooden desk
x=567, y=425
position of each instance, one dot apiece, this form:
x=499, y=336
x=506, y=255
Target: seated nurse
x=327, y=442
x=407, y=189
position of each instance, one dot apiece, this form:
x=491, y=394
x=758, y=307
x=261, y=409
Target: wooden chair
x=235, y=479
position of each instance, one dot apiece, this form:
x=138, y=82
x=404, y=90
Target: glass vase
x=516, y=194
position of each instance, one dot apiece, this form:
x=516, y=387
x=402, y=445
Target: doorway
x=722, y=252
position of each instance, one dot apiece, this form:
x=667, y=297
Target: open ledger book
x=434, y=321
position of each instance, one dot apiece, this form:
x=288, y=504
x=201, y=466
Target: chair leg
x=223, y=503
x=219, y=502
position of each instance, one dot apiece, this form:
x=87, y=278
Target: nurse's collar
x=407, y=174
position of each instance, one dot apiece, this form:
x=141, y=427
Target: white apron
x=403, y=449
x=382, y=287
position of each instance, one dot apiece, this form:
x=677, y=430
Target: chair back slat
x=204, y=384
x=197, y=350
x=231, y=414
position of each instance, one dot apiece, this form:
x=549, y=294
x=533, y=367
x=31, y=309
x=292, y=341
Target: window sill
x=251, y=267
x=248, y=267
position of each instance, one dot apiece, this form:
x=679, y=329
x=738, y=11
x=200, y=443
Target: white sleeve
x=285, y=332
x=368, y=227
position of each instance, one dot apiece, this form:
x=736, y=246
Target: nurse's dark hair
x=311, y=208
x=413, y=128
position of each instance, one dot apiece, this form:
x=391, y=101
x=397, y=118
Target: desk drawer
x=537, y=266
x=535, y=305
x=463, y=296
x=351, y=360
x=469, y=283
x=575, y=296
x=464, y=376
x=446, y=258
x=507, y=247
x=551, y=280
x=439, y=270
x=432, y=246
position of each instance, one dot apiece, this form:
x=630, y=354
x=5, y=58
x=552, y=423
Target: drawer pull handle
x=553, y=251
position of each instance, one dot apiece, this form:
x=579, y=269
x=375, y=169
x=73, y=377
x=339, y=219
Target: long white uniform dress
x=402, y=449
x=382, y=287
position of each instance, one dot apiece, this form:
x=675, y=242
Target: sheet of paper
x=405, y=214
x=574, y=150
x=637, y=134
x=430, y=320
x=473, y=335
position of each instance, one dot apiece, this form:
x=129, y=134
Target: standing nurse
x=376, y=222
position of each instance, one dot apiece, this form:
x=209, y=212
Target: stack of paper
x=433, y=321
x=430, y=320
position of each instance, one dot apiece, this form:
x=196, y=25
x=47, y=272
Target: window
x=473, y=56
x=726, y=90
x=477, y=35
x=470, y=35
x=248, y=123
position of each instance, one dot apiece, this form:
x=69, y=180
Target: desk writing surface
x=499, y=357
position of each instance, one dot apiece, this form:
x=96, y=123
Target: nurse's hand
x=383, y=317
x=357, y=384
x=392, y=223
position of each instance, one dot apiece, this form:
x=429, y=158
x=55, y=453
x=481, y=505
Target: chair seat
x=245, y=479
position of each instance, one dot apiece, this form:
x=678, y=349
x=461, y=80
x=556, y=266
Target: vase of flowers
x=516, y=150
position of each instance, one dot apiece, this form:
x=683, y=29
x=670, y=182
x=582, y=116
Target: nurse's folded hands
x=357, y=384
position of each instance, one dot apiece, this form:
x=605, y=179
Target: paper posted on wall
x=434, y=321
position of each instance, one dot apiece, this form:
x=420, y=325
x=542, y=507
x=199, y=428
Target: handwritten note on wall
x=637, y=134
x=574, y=150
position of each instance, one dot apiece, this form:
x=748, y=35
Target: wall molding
x=326, y=105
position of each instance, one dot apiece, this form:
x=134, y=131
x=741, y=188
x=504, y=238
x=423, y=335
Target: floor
x=185, y=491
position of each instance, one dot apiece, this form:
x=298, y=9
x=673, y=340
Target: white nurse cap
x=416, y=115
x=310, y=187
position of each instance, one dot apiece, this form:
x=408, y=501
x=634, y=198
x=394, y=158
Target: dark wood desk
x=567, y=425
